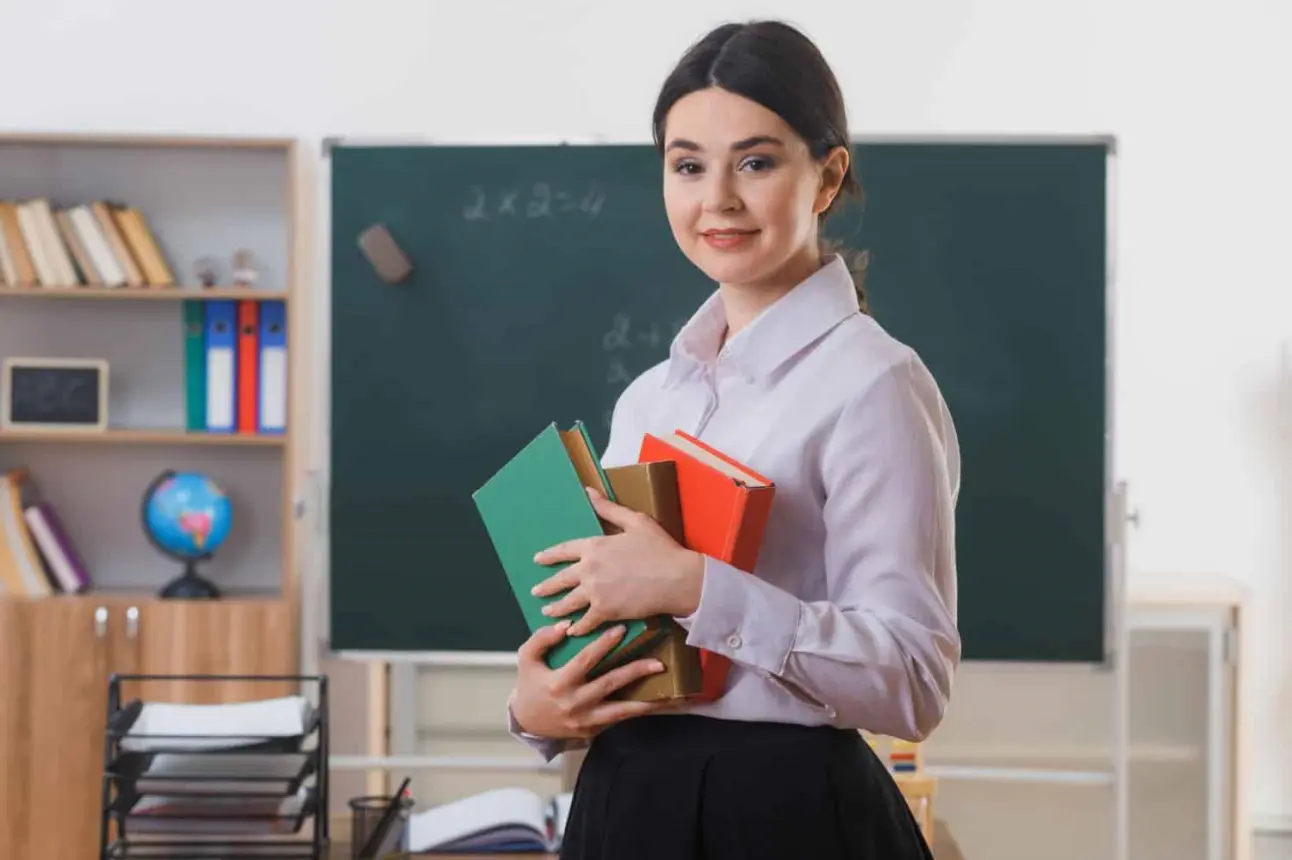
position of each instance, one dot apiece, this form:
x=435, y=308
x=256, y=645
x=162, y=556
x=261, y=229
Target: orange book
x=725, y=508
x=248, y=365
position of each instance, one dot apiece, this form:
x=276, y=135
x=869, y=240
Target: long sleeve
x=548, y=748
x=880, y=651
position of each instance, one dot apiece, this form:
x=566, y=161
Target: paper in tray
x=216, y=781
x=244, y=774
x=279, y=724
x=210, y=816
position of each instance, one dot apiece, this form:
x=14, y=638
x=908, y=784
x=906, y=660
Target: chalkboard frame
x=13, y=364
x=1114, y=519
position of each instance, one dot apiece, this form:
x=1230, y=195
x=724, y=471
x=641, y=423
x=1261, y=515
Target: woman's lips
x=727, y=239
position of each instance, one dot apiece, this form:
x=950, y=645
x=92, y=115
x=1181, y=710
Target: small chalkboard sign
x=54, y=394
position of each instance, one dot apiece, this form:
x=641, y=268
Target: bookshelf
x=202, y=199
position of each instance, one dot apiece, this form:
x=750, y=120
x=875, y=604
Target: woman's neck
x=742, y=303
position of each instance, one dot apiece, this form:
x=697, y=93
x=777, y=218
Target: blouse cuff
x=743, y=618
x=549, y=748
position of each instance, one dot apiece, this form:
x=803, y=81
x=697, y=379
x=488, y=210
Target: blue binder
x=272, y=415
x=221, y=366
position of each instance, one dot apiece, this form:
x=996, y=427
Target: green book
x=539, y=499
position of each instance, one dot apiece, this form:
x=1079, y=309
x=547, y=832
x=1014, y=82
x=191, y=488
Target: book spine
x=754, y=512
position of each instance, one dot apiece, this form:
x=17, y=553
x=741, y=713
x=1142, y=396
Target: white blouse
x=850, y=615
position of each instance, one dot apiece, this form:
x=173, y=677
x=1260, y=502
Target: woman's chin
x=731, y=267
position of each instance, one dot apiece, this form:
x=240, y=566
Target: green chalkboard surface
x=544, y=278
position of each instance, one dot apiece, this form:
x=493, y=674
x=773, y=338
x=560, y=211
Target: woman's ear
x=834, y=168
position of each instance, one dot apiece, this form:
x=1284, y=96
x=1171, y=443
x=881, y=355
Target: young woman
x=849, y=621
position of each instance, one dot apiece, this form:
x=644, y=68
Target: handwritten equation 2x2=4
x=540, y=201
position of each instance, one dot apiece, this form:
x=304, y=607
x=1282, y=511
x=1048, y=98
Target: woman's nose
x=721, y=194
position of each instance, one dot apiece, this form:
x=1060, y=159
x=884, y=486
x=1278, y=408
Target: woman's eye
x=686, y=168
x=756, y=163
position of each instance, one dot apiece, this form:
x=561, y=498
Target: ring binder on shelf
x=235, y=780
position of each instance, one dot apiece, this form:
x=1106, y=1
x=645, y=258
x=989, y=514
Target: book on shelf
x=97, y=243
x=38, y=557
x=500, y=820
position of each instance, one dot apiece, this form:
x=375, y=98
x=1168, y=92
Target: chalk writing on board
x=617, y=374
x=540, y=200
x=624, y=341
x=622, y=336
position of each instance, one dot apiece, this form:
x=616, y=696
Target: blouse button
x=733, y=641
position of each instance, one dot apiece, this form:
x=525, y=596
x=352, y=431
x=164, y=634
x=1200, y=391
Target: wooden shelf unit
x=156, y=294
x=131, y=436
x=202, y=196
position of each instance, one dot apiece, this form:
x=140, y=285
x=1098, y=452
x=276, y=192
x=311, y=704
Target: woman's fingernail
x=593, y=493
x=547, y=610
x=656, y=666
x=617, y=630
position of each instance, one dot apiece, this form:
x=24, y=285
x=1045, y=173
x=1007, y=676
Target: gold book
x=651, y=488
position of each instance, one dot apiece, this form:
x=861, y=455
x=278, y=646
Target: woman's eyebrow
x=751, y=142
x=747, y=143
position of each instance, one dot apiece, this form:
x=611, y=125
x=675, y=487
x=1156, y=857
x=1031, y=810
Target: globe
x=187, y=517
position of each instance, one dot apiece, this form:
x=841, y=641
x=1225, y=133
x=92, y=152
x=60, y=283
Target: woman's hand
x=562, y=703
x=637, y=573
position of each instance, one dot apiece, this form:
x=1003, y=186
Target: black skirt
x=687, y=787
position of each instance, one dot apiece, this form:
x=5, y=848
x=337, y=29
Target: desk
x=1214, y=610
x=341, y=851
x=918, y=789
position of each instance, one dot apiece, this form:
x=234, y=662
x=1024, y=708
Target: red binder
x=248, y=365
x=725, y=508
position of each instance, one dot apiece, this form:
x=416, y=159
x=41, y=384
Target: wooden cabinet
x=68, y=661
x=200, y=638
x=56, y=657
x=13, y=728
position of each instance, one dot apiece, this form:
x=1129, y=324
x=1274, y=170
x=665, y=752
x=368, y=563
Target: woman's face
x=742, y=190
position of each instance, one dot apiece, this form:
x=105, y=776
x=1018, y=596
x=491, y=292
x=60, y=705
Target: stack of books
x=98, y=243
x=704, y=499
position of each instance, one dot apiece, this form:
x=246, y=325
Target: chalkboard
x=53, y=393
x=545, y=277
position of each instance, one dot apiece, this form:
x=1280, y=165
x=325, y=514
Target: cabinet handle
x=101, y=621
x=132, y=622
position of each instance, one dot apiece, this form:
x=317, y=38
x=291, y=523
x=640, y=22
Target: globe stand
x=190, y=586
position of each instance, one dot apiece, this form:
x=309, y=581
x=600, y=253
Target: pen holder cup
x=365, y=813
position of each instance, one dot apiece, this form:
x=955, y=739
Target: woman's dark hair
x=777, y=66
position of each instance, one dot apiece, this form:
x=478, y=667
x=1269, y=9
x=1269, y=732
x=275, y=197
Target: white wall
x=1195, y=91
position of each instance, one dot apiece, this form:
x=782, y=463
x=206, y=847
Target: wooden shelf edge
x=113, y=596
x=140, y=293
x=146, y=437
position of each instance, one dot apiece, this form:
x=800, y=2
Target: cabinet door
x=14, y=680
x=66, y=712
x=217, y=637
